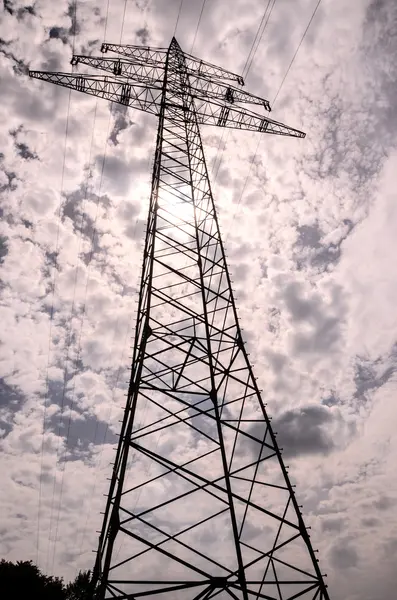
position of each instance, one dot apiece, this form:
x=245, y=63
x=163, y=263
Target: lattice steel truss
x=200, y=502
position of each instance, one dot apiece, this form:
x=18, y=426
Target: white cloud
x=311, y=248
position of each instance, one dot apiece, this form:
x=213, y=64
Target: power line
x=296, y=51
x=198, y=25
x=75, y=26
x=46, y=397
x=113, y=389
x=177, y=18
x=122, y=22
x=247, y=66
x=83, y=311
x=107, y=421
x=260, y=39
x=221, y=149
x=84, y=305
x=69, y=335
x=94, y=232
x=250, y=56
x=106, y=21
x=275, y=98
x=68, y=341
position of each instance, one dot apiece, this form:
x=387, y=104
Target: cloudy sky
x=309, y=227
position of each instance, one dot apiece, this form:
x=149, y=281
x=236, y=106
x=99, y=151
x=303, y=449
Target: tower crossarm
x=210, y=89
x=140, y=72
x=196, y=66
x=202, y=87
x=148, y=98
x=224, y=115
x=156, y=56
x=139, y=54
x=143, y=97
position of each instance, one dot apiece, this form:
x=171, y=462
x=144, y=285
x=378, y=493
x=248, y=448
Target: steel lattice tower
x=200, y=502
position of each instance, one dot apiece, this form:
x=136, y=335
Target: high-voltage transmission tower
x=200, y=503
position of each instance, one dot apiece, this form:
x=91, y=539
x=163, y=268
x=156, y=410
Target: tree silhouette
x=80, y=588
x=24, y=581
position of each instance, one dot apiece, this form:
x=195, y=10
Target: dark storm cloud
x=370, y=522
x=116, y=170
x=9, y=396
x=310, y=250
x=20, y=12
x=80, y=433
x=8, y=6
x=11, y=184
x=25, y=98
x=135, y=231
x=143, y=36
x=379, y=49
x=63, y=33
x=25, y=11
x=24, y=152
x=83, y=224
x=240, y=272
x=325, y=321
x=384, y=503
x=128, y=214
x=18, y=65
x=343, y=555
x=73, y=208
x=277, y=361
x=305, y=431
x=121, y=122
x=72, y=13
x=59, y=33
x=332, y=524
x=301, y=309
x=390, y=546
x=3, y=248
x=331, y=399
x=370, y=376
x=11, y=401
x=366, y=110
x=334, y=151
x=127, y=211
x=21, y=148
